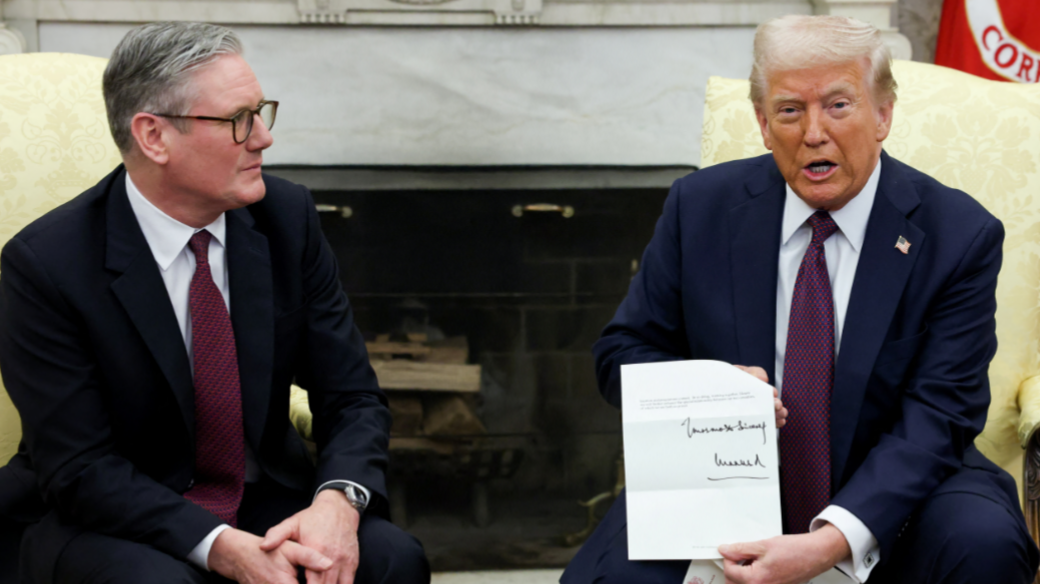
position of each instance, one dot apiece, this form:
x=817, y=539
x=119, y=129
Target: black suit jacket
x=911, y=387
x=95, y=362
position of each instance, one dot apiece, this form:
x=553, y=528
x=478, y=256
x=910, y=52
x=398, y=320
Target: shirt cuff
x=339, y=485
x=200, y=555
x=865, y=550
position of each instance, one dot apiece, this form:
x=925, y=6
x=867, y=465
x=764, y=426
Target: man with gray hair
x=864, y=291
x=149, y=333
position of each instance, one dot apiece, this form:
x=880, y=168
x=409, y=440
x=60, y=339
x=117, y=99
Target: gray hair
x=799, y=42
x=150, y=71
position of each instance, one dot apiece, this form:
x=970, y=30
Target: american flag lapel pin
x=903, y=245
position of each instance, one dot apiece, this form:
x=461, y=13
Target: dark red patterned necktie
x=805, y=452
x=220, y=461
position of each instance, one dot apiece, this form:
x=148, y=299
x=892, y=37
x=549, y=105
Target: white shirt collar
x=166, y=236
x=851, y=219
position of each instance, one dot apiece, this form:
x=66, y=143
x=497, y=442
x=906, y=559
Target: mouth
x=254, y=166
x=820, y=169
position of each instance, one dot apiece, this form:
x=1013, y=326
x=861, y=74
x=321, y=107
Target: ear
x=151, y=133
x=884, y=119
x=763, y=125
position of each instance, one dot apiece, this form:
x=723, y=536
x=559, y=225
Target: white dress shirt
x=168, y=240
x=842, y=251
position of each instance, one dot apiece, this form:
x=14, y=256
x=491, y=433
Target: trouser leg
x=604, y=557
x=961, y=538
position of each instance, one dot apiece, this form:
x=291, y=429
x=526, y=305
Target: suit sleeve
x=648, y=326
x=351, y=418
x=48, y=369
x=944, y=397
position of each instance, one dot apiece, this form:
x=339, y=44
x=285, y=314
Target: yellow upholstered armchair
x=54, y=144
x=982, y=137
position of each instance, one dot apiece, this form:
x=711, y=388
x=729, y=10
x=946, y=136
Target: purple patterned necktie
x=805, y=453
x=220, y=462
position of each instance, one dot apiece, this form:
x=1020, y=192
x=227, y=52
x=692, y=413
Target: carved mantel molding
x=442, y=12
x=24, y=15
x=11, y=41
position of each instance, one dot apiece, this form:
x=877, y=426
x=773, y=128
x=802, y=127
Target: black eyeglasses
x=242, y=122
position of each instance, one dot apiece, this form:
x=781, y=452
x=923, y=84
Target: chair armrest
x=300, y=412
x=1029, y=409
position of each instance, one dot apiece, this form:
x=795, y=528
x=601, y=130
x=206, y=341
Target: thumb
x=738, y=552
x=308, y=558
x=279, y=534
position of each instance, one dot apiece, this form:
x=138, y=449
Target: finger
x=279, y=534
x=757, y=372
x=735, y=572
x=776, y=392
x=314, y=577
x=310, y=559
x=738, y=552
x=332, y=576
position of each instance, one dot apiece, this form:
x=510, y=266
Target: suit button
x=191, y=484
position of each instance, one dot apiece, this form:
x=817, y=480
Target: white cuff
x=865, y=550
x=340, y=485
x=200, y=555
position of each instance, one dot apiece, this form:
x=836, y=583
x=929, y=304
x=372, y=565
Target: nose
x=260, y=138
x=814, y=130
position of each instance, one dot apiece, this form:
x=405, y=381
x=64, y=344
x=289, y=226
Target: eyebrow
x=835, y=89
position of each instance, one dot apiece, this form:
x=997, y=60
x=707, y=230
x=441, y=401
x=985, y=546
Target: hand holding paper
x=788, y=559
x=760, y=374
x=701, y=459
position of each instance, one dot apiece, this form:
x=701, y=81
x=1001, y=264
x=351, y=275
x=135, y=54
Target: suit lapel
x=138, y=288
x=881, y=276
x=252, y=317
x=755, y=243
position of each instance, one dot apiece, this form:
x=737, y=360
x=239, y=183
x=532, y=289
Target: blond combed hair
x=800, y=42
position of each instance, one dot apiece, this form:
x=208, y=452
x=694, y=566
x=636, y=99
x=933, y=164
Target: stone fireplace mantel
x=464, y=82
x=445, y=12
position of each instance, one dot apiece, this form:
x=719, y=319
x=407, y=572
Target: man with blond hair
x=864, y=291
x=149, y=333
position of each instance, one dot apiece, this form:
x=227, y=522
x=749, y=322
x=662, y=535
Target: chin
x=252, y=192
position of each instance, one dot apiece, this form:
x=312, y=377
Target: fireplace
x=528, y=273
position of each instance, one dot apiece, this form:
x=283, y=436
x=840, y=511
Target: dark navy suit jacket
x=910, y=386
x=95, y=362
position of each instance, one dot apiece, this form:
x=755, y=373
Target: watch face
x=356, y=496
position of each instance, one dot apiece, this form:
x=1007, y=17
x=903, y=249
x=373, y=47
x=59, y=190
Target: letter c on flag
x=985, y=34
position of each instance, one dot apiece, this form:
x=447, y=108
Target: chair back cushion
x=979, y=136
x=54, y=144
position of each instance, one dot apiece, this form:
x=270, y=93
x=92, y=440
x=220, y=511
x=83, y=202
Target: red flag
x=995, y=39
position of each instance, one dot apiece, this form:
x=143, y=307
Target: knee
x=389, y=555
x=995, y=549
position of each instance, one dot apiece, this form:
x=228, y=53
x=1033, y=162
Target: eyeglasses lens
x=267, y=113
x=243, y=125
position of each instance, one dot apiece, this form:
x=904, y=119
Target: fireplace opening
x=490, y=299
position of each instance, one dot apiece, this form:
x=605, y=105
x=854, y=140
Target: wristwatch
x=355, y=496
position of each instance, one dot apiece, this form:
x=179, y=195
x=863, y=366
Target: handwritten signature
x=740, y=463
x=740, y=426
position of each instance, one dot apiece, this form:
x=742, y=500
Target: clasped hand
x=322, y=539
